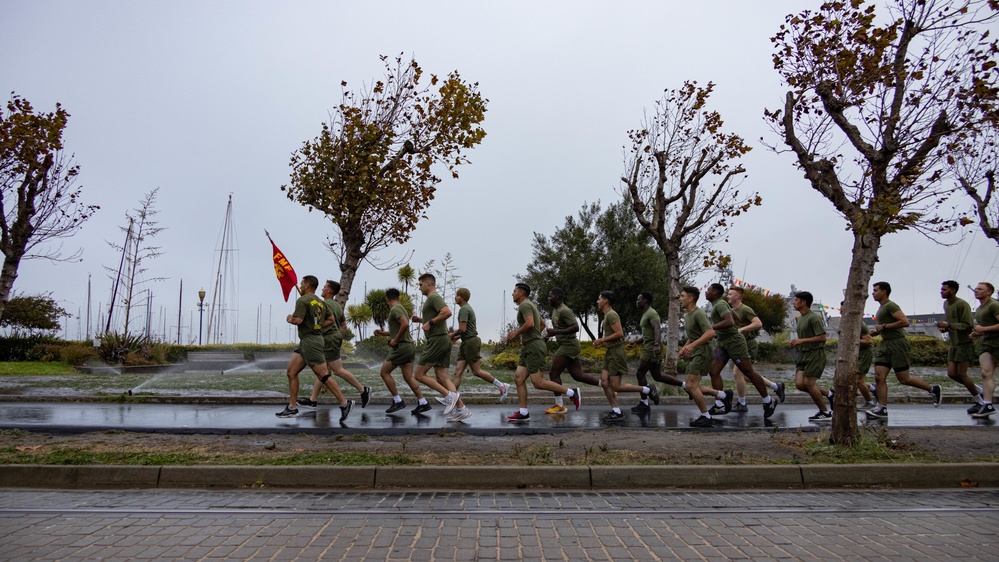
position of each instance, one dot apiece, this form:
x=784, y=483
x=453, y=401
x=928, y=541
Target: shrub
x=77, y=354
x=375, y=348
x=506, y=359
x=22, y=348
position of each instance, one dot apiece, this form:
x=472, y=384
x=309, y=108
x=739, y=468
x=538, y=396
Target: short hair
x=428, y=277
x=463, y=293
x=805, y=296
x=647, y=296
x=608, y=296
x=717, y=287
x=737, y=289
x=884, y=286
x=392, y=294
x=991, y=287
x=311, y=281
x=692, y=291
x=524, y=287
x=333, y=285
x=558, y=293
x=951, y=284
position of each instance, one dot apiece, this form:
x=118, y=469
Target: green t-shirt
x=648, y=326
x=431, y=307
x=719, y=308
x=865, y=353
x=744, y=316
x=467, y=315
x=611, y=318
x=959, y=322
x=562, y=318
x=524, y=309
x=809, y=326
x=986, y=316
x=696, y=323
x=886, y=316
x=395, y=314
x=336, y=312
x=312, y=310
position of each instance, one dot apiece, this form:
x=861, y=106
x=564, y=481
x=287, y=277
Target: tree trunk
x=672, y=314
x=585, y=326
x=7, y=276
x=865, y=255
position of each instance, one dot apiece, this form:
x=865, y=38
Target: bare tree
x=682, y=175
x=136, y=251
x=877, y=104
x=975, y=171
x=39, y=202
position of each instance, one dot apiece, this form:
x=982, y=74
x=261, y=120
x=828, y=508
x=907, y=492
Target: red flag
x=285, y=273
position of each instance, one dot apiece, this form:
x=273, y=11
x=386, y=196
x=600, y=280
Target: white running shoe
x=504, y=391
x=450, y=401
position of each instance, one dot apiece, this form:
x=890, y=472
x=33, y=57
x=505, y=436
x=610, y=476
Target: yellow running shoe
x=556, y=409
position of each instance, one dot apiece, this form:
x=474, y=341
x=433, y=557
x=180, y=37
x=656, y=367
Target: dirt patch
x=609, y=447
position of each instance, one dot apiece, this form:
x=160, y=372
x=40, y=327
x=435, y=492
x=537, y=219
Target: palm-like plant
x=407, y=275
x=358, y=315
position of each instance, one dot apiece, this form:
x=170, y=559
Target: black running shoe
x=641, y=408
x=728, y=401
x=877, y=413
x=975, y=408
x=613, y=417
x=307, y=403
x=986, y=411
x=717, y=411
x=820, y=417
x=654, y=395
x=937, y=395
x=702, y=421
x=780, y=392
x=769, y=409
x=365, y=396
x=421, y=408
x=288, y=413
x=345, y=409
x=396, y=406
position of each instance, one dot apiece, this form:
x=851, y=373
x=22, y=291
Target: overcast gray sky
x=206, y=99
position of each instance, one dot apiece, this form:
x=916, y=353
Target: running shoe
x=613, y=417
x=441, y=400
x=641, y=408
x=937, y=395
x=975, y=408
x=986, y=411
x=345, y=409
x=451, y=400
x=702, y=421
x=288, y=413
x=421, y=408
x=396, y=406
x=518, y=418
x=577, y=398
x=556, y=409
x=307, y=403
x=459, y=415
x=780, y=392
x=821, y=417
x=870, y=405
x=653, y=394
x=504, y=392
x=769, y=409
x=717, y=410
x=728, y=401
x=365, y=396
x=740, y=408
x=879, y=412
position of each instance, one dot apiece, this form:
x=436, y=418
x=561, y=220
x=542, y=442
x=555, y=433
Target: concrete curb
x=956, y=475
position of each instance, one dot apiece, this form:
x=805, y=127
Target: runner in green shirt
x=437, y=350
x=402, y=353
x=749, y=324
x=697, y=351
x=893, y=352
x=731, y=344
x=564, y=328
x=471, y=345
x=616, y=360
x=311, y=315
x=810, y=344
x=957, y=324
x=333, y=339
x=651, y=360
x=987, y=330
x=532, y=355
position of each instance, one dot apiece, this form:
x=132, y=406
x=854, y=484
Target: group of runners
x=727, y=333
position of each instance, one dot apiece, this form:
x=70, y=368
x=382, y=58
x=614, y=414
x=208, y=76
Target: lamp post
x=201, y=310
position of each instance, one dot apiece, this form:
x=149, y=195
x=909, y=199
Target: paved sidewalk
x=635, y=525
